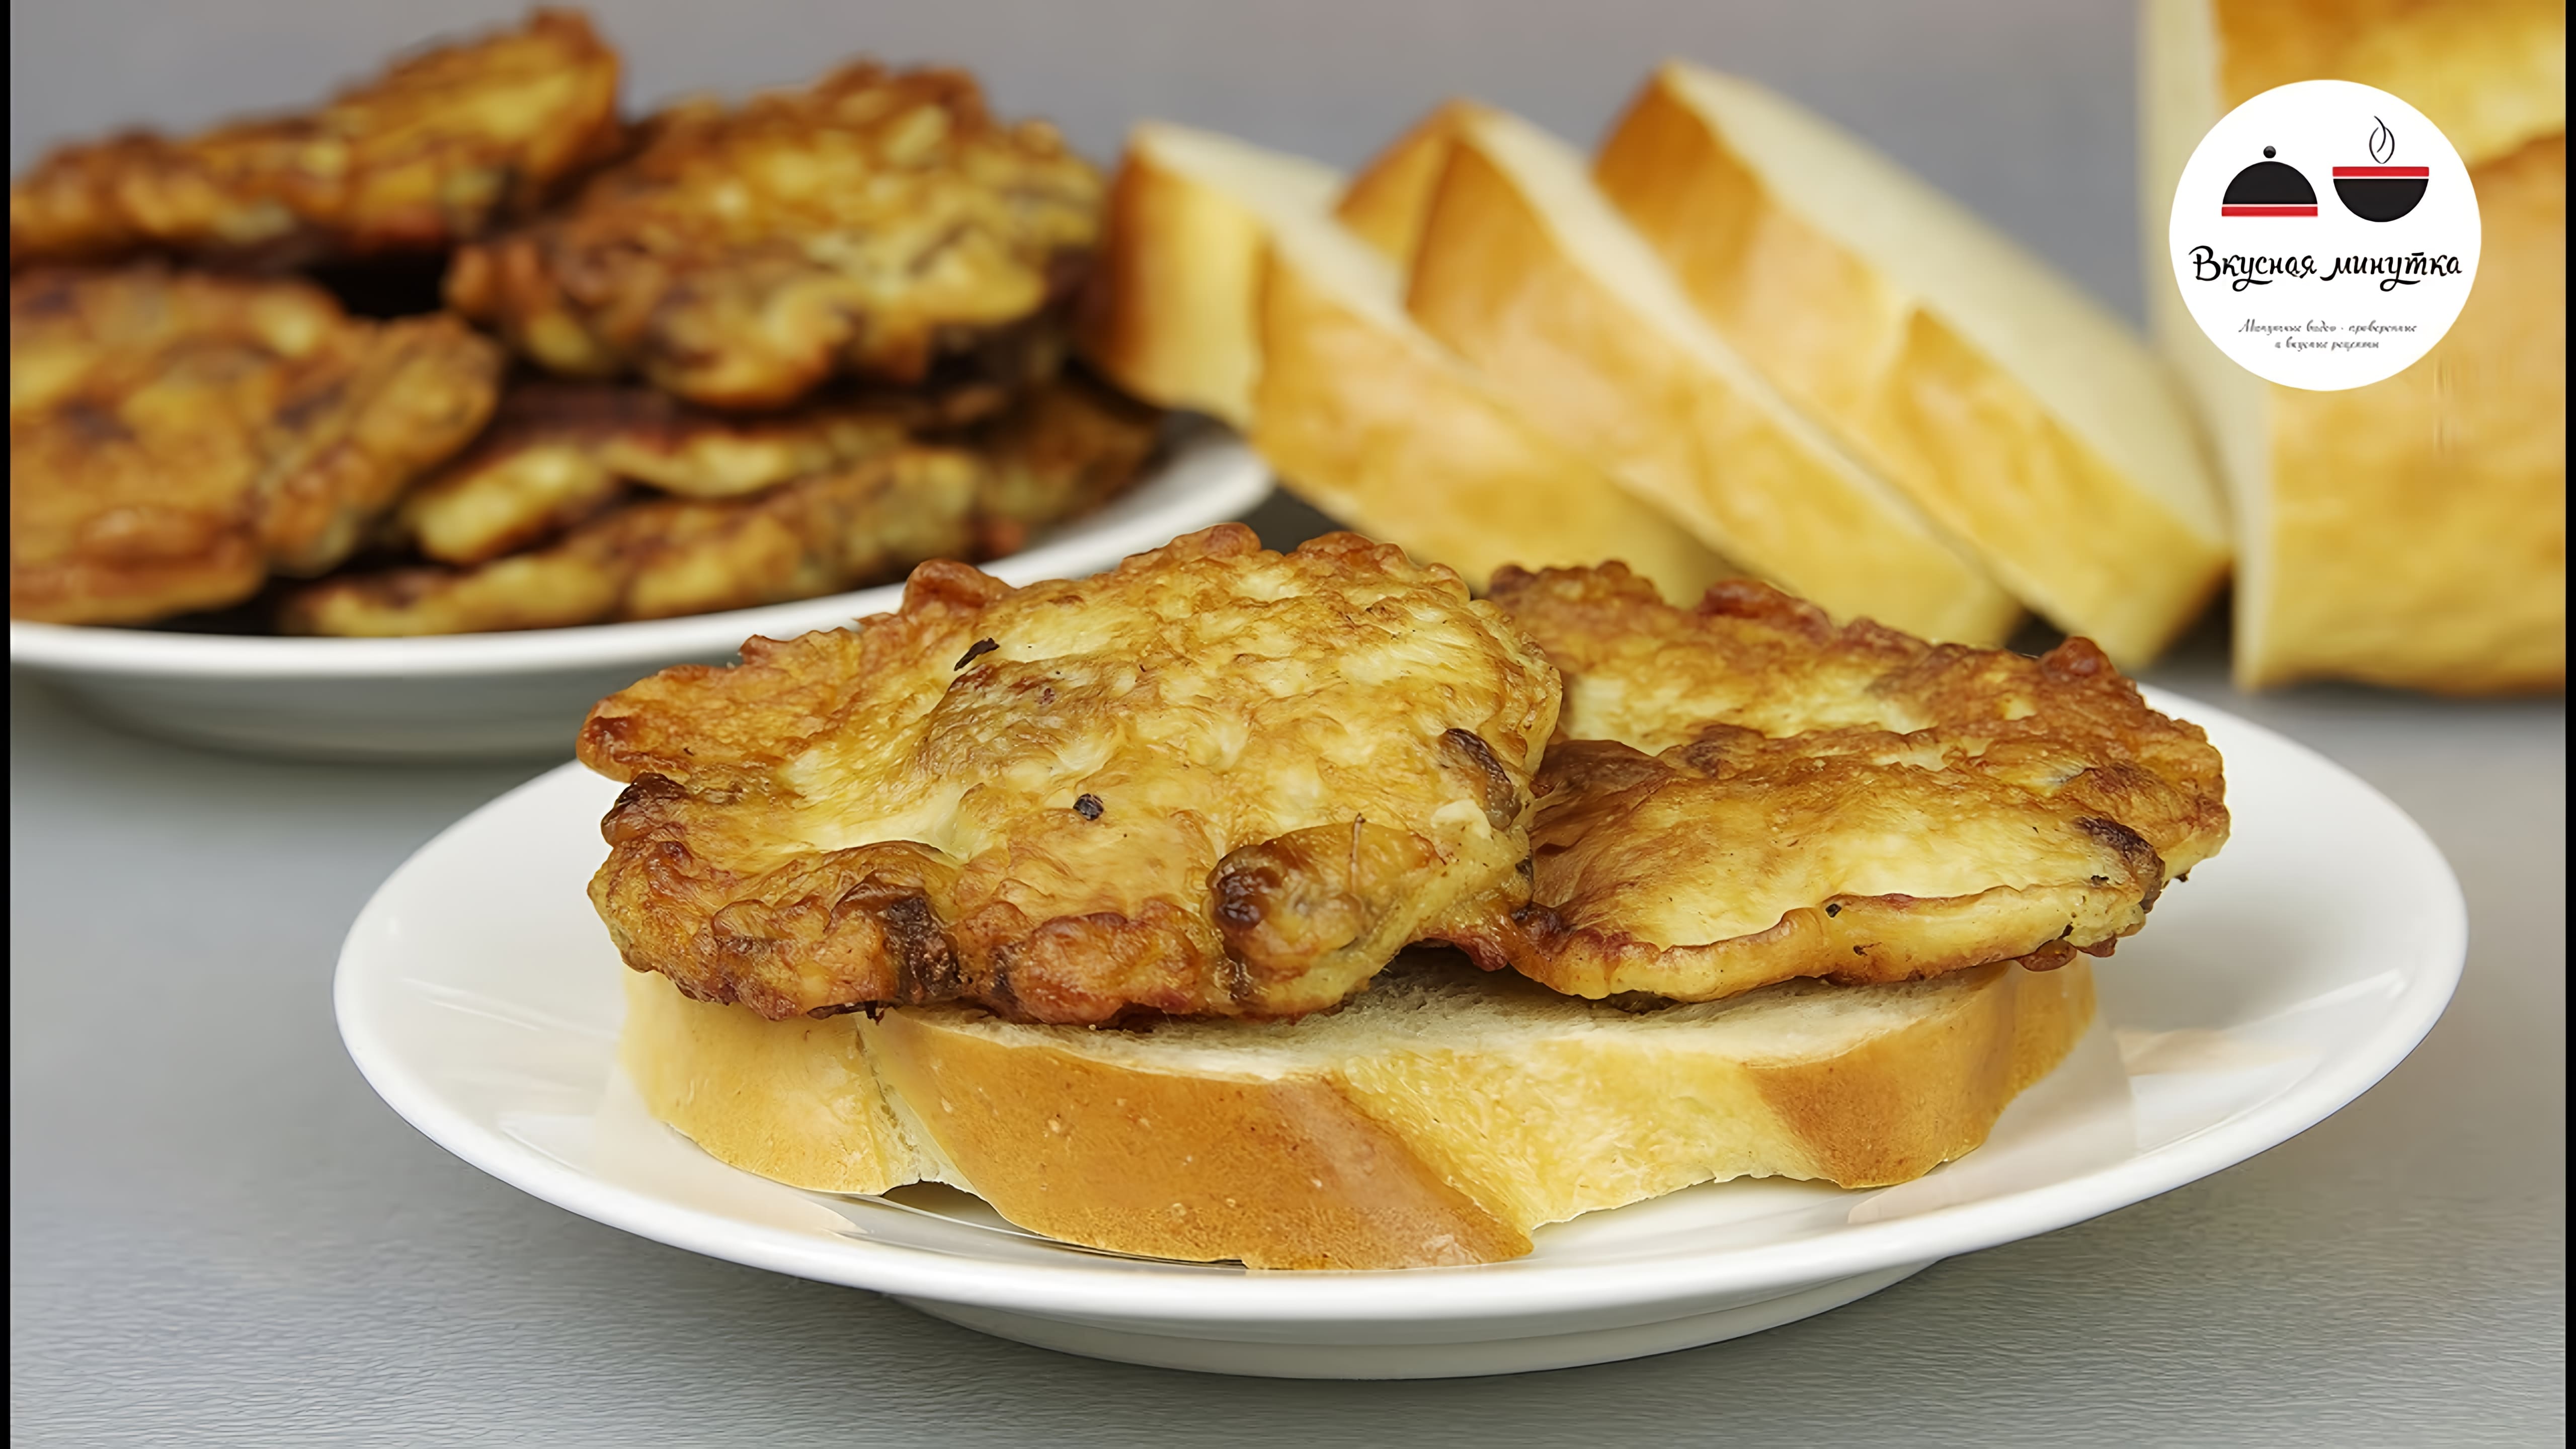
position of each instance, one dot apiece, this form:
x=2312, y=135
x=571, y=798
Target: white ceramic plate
x=525, y=693
x=480, y=996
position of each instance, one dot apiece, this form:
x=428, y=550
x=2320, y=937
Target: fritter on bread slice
x=174, y=439
x=1215, y=781
x=430, y=153
x=1064, y=448
x=872, y=225
x=558, y=452
x=1745, y=793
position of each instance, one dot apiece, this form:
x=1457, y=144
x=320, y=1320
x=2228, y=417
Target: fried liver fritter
x=658, y=558
x=1063, y=448
x=430, y=153
x=558, y=452
x=1744, y=793
x=1215, y=781
x=174, y=439
x=873, y=225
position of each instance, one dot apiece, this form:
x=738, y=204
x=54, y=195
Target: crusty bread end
x=2411, y=533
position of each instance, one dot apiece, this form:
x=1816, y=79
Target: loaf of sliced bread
x=2026, y=420
x=1226, y=285
x=1522, y=268
x=1437, y=1118
x=2412, y=532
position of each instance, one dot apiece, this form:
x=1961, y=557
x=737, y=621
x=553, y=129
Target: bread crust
x=1510, y=285
x=1170, y=310
x=2050, y=517
x=1280, y=1173
x=1363, y=1148
x=1390, y=199
x=1378, y=426
x=1258, y=309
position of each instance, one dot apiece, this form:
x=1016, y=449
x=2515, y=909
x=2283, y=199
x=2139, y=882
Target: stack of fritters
x=176, y=438
x=1224, y=782
x=429, y=154
x=806, y=342
x=736, y=512
x=875, y=225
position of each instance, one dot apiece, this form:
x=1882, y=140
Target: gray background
x=217, y=1235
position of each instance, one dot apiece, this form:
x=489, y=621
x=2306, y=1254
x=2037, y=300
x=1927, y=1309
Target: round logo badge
x=2325, y=235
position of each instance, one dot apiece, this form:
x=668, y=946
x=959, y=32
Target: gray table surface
x=218, y=1235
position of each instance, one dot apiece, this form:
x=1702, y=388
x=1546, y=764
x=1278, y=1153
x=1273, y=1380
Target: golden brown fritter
x=1063, y=448
x=1745, y=793
x=663, y=557
x=558, y=452
x=872, y=225
x=1214, y=781
x=174, y=438
x=426, y=155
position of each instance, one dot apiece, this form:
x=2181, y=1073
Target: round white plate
x=480, y=996
x=525, y=693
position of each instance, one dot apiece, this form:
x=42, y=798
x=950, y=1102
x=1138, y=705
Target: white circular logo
x=2325, y=235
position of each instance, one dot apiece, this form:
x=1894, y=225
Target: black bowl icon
x=2269, y=188
x=2381, y=192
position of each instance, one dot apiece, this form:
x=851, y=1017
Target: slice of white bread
x=2412, y=532
x=2023, y=417
x=1378, y=425
x=1520, y=266
x=1225, y=285
x=1435, y=1119
x=1386, y=203
x=1171, y=308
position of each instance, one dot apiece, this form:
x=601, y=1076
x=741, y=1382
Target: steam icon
x=2270, y=188
x=2381, y=192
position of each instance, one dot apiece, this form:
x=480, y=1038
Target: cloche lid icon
x=2269, y=188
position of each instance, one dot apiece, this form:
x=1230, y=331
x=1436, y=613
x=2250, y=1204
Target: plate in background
x=523, y=694
x=480, y=997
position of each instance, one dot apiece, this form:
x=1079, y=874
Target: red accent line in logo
x=2267, y=211
x=2383, y=171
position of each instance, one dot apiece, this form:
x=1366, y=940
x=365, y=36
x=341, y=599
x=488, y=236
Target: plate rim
x=1432, y=1295
x=1212, y=474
